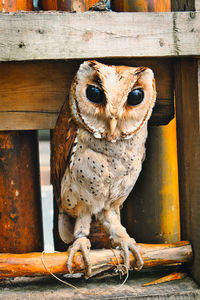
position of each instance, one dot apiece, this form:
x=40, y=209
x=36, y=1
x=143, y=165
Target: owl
x=97, y=150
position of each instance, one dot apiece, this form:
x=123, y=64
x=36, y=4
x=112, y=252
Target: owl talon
x=81, y=244
x=131, y=245
x=138, y=259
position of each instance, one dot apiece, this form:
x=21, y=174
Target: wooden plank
x=32, y=93
x=188, y=138
x=62, y=35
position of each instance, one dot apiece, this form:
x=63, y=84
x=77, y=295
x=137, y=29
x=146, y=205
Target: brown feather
x=61, y=143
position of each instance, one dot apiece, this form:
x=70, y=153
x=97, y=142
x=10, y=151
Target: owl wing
x=61, y=143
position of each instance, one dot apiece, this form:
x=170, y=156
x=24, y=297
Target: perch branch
x=30, y=264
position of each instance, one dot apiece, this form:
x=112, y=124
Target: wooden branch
x=31, y=264
x=30, y=35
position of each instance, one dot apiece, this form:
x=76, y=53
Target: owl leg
x=111, y=222
x=81, y=242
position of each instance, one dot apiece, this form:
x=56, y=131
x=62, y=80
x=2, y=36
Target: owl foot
x=81, y=244
x=126, y=245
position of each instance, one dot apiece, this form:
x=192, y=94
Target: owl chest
x=101, y=172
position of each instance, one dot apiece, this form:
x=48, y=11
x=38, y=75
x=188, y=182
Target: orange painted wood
x=142, y=5
x=31, y=264
x=20, y=207
x=15, y=5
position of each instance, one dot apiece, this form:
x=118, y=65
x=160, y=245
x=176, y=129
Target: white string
x=52, y=274
x=119, y=268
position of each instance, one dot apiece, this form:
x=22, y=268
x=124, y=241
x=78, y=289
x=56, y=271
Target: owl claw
x=81, y=244
x=138, y=259
x=131, y=245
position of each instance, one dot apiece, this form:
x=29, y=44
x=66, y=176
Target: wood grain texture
x=32, y=93
x=28, y=36
x=29, y=264
x=188, y=139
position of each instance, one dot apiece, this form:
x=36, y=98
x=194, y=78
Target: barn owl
x=98, y=147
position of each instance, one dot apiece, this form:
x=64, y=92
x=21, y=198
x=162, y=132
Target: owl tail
x=65, y=227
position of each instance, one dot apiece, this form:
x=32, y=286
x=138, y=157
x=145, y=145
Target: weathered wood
x=15, y=265
x=28, y=36
x=188, y=139
x=39, y=89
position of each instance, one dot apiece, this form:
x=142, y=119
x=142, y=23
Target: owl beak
x=113, y=124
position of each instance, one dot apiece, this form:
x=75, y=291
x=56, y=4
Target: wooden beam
x=37, y=264
x=32, y=93
x=62, y=35
x=187, y=82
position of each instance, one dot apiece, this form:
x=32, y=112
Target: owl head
x=112, y=102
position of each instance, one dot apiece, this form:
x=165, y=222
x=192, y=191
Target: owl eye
x=94, y=94
x=135, y=97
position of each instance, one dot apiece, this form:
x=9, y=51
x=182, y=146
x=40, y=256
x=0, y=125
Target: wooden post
x=151, y=213
x=20, y=200
x=187, y=94
x=187, y=83
x=20, y=207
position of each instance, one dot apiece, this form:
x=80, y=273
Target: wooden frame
x=31, y=36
